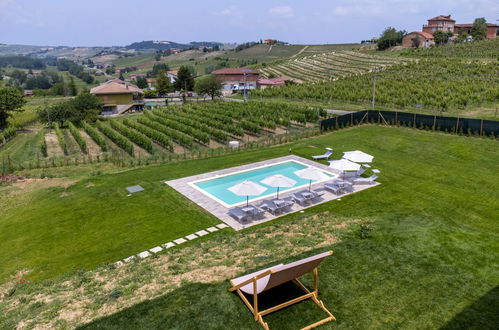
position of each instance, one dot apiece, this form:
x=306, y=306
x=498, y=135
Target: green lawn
x=431, y=261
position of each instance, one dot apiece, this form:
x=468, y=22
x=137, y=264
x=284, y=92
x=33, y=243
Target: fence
x=122, y=159
x=468, y=126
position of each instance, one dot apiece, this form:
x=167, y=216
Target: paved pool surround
x=184, y=186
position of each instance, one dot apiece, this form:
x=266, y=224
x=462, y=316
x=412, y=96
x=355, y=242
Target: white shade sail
x=358, y=156
x=343, y=165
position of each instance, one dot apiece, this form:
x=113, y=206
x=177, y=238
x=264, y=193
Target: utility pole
x=374, y=87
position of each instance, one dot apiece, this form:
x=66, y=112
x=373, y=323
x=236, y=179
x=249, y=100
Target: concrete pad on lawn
x=180, y=240
x=156, y=249
x=144, y=254
x=212, y=229
x=191, y=237
x=202, y=233
x=168, y=245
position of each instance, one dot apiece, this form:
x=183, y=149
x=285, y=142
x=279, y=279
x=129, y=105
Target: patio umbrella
x=247, y=188
x=358, y=156
x=343, y=165
x=278, y=181
x=311, y=173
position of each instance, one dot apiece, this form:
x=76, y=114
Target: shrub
x=116, y=137
x=133, y=135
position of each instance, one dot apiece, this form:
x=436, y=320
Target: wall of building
x=423, y=42
x=116, y=98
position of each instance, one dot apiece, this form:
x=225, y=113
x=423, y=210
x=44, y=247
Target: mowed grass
x=431, y=261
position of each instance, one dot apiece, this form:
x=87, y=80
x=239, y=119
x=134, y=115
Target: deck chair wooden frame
x=259, y=314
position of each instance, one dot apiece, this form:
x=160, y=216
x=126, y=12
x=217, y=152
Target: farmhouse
x=136, y=76
x=119, y=97
x=447, y=24
x=234, y=79
x=173, y=75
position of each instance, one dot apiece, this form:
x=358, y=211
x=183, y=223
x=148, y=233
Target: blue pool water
x=218, y=187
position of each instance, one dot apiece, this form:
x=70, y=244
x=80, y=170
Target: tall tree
x=479, y=29
x=142, y=82
x=72, y=90
x=11, y=99
x=209, y=85
x=442, y=37
x=163, y=84
x=390, y=37
x=185, y=79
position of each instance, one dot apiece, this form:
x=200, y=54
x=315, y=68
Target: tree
x=84, y=106
x=479, y=29
x=121, y=77
x=442, y=37
x=158, y=67
x=157, y=57
x=390, y=37
x=210, y=85
x=142, y=82
x=415, y=42
x=185, y=79
x=163, y=84
x=11, y=99
x=72, y=90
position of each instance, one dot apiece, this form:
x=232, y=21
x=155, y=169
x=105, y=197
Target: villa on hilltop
x=447, y=24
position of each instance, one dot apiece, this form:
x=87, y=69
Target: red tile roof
x=272, y=81
x=424, y=34
x=235, y=71
x=116, y=86
x=442, y=18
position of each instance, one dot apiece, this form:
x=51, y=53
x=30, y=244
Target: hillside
x=327, y=66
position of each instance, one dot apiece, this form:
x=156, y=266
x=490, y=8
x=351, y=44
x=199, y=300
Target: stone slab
x=156, y=249
x=222, y=226
x=202, y=233
x=168, y=245
x=130, y=258
x=212, y=229
x=180, y=240
x=144, y=254
x=191, y=237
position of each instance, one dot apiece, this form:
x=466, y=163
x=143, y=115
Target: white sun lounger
x=369, y=180
x=265, y=279
x=324, y=156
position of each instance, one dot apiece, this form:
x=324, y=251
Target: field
x=163, y=134
x=430, y=261
x=327, y=66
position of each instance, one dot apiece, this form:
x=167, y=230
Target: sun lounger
x=298, y=198
x=253, y=211
x=324, y=156
x=239, y=214
x=369, y=180
x=255, y=283
x=270, y=206
x=335, y=189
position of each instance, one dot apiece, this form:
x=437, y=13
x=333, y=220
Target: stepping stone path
x=178, y=241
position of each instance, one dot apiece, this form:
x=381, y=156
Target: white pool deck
x=221, y=212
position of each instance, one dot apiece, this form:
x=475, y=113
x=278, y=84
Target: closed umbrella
x=278, y=181
x=247, y=188
x=311, y=173
x=358, y=156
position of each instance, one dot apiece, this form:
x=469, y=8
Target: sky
x=121, y=22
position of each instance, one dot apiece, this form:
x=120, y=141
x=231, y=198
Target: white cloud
x=282, y=11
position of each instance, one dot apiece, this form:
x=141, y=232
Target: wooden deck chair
x=265, y=279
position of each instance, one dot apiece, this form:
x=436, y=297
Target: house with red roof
x=237, y=79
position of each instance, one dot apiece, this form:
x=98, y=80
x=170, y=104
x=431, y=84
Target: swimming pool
x=217, y=187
